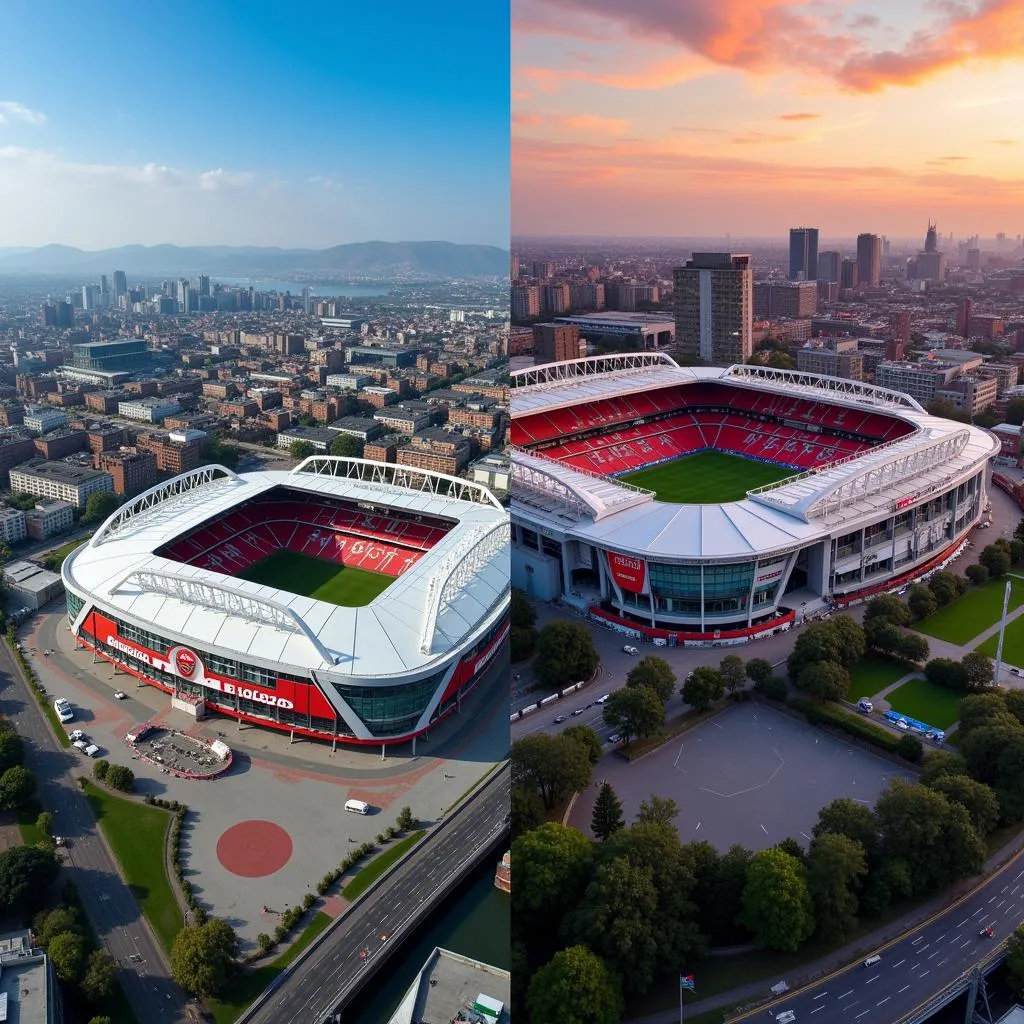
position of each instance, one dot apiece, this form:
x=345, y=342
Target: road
x=143, y=971
x=330, y=971
x=916, y=966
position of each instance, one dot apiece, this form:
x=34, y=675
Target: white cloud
x=212, y=180
x=10, y=110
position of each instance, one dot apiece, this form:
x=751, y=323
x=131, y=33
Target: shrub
x=120, y=777
x=308, y=900
x=100, y=769
x=910, y=748
x=264, y=942
x=773, y=687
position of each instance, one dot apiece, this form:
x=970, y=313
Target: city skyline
x=264, y=130
x=753, y=116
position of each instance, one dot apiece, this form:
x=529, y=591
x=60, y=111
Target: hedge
x=846, y=721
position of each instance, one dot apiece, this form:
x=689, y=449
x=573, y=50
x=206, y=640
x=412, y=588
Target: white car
x=629, y=650
x=903, y=724
x=64, y=710
x=614, y=738
x=76, y=734
x=119, y=695
x=80, y=745
x=91, y=750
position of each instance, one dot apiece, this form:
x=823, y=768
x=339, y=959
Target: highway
x=334, y=969
x=915, y=967
x=143, y=972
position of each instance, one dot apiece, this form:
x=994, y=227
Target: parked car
x=902, y=723
x=865, y=705
x=559, y=719
x=91, y=750
x=119, y=695
x=578, y=711
x=629, y=650
x=80, y=744
x=64, y=710
x=1017, y=671
x=76, y=734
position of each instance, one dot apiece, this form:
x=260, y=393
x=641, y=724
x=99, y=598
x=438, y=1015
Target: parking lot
x=751, y=775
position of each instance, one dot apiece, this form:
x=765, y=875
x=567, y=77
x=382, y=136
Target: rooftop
x=61, y=472
x=449, y=983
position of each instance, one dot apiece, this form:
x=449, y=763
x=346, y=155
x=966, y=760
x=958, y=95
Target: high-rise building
x=554, y=298
x=525, y=301
x=104, y=291
x=829, y=261
x=555, y=343
x=803, y=254
x=963, y=317
x=785, y=298
x=120, y=284
x=90, y=296
x=869, y=259
x=714, y=307
x=204, y=284
x=849, y=275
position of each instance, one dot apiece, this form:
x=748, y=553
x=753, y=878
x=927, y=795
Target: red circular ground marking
x=254, y=849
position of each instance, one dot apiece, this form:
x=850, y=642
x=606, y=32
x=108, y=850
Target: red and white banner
x=630, y=573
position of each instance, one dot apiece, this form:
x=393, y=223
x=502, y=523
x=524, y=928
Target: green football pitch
x=325, y=581
x=706, y=478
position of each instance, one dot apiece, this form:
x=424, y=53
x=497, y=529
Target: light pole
x=1002, y=624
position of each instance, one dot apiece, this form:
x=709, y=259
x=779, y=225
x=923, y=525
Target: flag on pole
x=686, y=983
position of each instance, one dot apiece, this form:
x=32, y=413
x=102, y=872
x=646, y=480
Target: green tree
x=406, y=820
x=818, y=642
x=733, y=672
x=98, y=506
x=849, y=639
x=565, y=654
x=553, y=864
x=554, y=766
x=655, y=673
x=523, y=613
x=100, y=769
x=986, y=709
x=204, y=956
x=882, y=635
x=119, y=777
x=947, y=673
x=941, y=764
x=945, y=586
x=575, y=987
x=976, y=798
x=983, y=747
x=100, y=977
x=17, y=788
x=347, y=446
x=634, y=711
x=587, y=739
x=912, y=647
x=1009, y=784
x=522, y=643
x=996, y=559
x=221, y=454
x=100, y=1020
x=301, y=449
x=44, y=822
x=888, y=607
x=54, y=922
x=777, y=905
x=607, y=818
x=1015, y=944
x=67, y=952
x=12, y=750
x=846, y=817
x=702, y=687
x=835, y=867
x=921, y=602
x=979, y=670
x=825, y=680
x=718, y=890
x=759, y=669
x=658, y=810
x=526, y=809
x=977, y=574
x=910, y=748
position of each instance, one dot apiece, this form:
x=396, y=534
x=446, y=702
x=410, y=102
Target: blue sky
x=309, y=124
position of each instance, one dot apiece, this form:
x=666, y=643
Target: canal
x=475, y=921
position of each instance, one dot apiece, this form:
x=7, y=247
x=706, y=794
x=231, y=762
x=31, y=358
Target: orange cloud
x=596, y=123
x=802, y=116
x=525, y=120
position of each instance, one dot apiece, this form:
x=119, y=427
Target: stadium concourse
x=349, y=601
x=852, y=490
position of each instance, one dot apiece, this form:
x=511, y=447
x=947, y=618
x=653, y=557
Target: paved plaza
x=264, y=833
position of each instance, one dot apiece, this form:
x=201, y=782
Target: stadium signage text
x=130, y=649
x=248, y=693
x=904, y=502
x=489, y=654
x=629, y=573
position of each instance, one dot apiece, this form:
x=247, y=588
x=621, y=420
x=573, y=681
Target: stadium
x=345, y=600
x=710, y=505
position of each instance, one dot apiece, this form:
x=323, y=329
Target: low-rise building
x=493, y=471
x=363, y=427
x=28, y=985
x=176, y=451
x=33, y=587
x=319, y=437
x=60, y=480
x=407, y=417
x=61, y=443
x=12, y=525
x=131, y=470
x=383, y=450
x=152, y=409
x=436, y=450
x=42, y=420
x=49, y=518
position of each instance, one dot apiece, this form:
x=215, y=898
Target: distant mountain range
x=388, y=260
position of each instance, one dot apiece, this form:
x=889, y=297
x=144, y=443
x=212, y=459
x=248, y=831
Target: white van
x=602, y=700
x=872, y=960
x=357, y=806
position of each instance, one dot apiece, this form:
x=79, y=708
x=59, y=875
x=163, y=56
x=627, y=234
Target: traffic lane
x=918, y=966
x=313, y=990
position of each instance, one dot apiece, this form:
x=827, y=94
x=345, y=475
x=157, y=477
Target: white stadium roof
x=790, y=512
x=424, y=614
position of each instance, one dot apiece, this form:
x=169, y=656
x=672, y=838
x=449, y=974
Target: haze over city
x=749, y=116
x=266, y=129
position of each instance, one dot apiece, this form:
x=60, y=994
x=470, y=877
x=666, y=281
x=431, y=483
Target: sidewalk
x=847, y=954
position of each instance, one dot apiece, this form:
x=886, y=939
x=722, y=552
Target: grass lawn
x=1013, y=643
x=926, y=702
x=137, y=834
x=250, y=983
x=707, y=477
x=872, y=675
x=972, y=614
x=31, y=834
x=55, y=559
x=365, y=878
x=313, y=577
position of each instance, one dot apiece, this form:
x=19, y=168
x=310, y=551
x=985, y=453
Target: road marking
x=915, y=967
x=901, y=962
x=1000, y=903
x=902, y=990
x=990, y=901
x=822, y=996
x=861, y=1014
x=817, y=1009
x=885, y=1000
x=937, y=952
x=980, y=910
x=927, y=945
x=920, y=938
x=924, y=975
x=875, y=978
x=845, y=994
x=966, y=942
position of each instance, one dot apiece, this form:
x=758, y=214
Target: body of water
x=475, y=921
x=321, y=290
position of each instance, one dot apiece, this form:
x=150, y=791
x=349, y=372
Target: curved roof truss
x=831, y=387
x=553, y=375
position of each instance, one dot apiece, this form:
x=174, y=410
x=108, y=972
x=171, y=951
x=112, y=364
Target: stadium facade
x=157, y=592
x=881, y=493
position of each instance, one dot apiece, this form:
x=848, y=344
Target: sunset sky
x=702, y=117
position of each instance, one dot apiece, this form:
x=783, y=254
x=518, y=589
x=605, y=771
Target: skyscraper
x=714, y=307
x=869, y=259
x=828, y=265
x=120, y=284
x=803, y=254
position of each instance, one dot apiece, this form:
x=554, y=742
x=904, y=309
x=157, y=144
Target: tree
x=777, y=905
x=846, y=817
x=941, y=764
x=978, y=670
x=849, y=639
x=99, y=505
x=587, y=739
x=12, y=750
x=574, y=987
x=203, y=957
x=100, y=1020
x=301, y=449
x=565, y=654
x=718, y=892
x=816, y=643
x=996, y=559
x=607, y=817
x=991, y=708
x=887, y=607
x=983, y=747
x=526, y=809
x=912, y=647
x=655, y=673
x=521, y=643
x=406, y=820
x=17, y=788
x=977, y=574
x=522, y=613
x=554, y=766
x=759, y=669
x=659, y=810
x=53, y=922
x=1016, y=551
x=946, y=672
x=910, y=748
x=553, y=864
x=634, y=711
x=921, y=602
x=44, y=822
x=976, y=798
x=100, y=769
x=835, y=867
x=733, y=672
x=882, y=635
x=1018, y=530
x=99, y=978
x=119, y=777
x=702, y=687
x=945, y=586
x=347, y=446
x=67, y=952
x=1009, y=784
x=825, y=680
